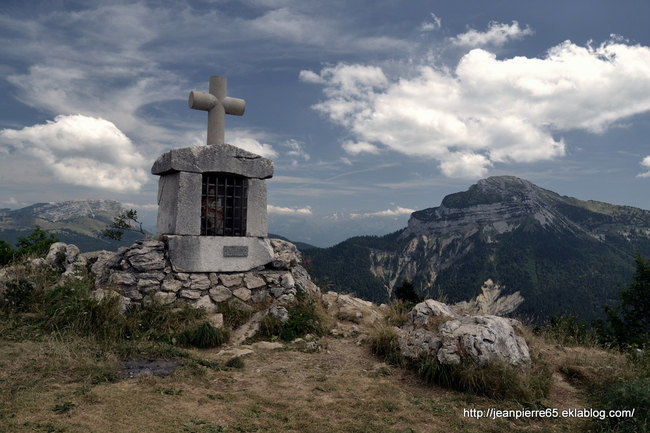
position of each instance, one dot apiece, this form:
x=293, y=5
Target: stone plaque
x=235, y=251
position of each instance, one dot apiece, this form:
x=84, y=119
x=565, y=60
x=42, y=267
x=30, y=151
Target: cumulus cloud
x=82, y=150
x=646, y=163
x=497, y=35
x=487, y=110
x=288, y=210
x=398, y=211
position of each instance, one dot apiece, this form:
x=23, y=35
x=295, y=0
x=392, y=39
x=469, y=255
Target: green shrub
x=623, y=395
x=303, y=320
x=204, y=336
x=235, y=362
x=234, y=314
x=570, y=331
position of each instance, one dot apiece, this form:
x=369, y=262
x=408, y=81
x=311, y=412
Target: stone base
x=218, y=253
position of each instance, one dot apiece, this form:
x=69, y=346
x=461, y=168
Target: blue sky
x=370, y=109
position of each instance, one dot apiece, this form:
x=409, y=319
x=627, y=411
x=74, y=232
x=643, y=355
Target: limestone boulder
x=481, y=339
x=422, y=312
x=285, y=254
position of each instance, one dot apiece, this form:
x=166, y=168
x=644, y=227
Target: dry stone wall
x=142, y=272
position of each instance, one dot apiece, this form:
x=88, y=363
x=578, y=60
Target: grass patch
x=303, y=319
x=204, y=336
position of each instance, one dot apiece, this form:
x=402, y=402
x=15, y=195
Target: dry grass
x=64, y=382
x=335, y=390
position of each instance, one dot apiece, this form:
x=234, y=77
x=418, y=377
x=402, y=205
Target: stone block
x=220, y=294
x=231, y=280
x=179, y=204
x=257, y=219
x=253, y=281
x=242, y=293
x=190, y=294
x=122, y=278
x=164, y=297
x=148, y=285
x=170, y=284
x=205, y=253
x=223, y=158
x=205, y=303
x=287, y=281
x=199, y=282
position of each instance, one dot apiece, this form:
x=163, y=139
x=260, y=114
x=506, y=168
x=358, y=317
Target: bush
x=627, y=394
x=570, y=331
x=204, y=336
x=406, y=293
x=303, y=320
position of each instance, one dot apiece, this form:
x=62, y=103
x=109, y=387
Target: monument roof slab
x=223, y=158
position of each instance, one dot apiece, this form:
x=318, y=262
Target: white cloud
x=297, y=150
x=398, y=211
x=428, y=26
x=646, y=163
x=288, y=210
x=82, y=150
x=486, y=110
x=361, y=147
x=251, y=141
x=497, y=35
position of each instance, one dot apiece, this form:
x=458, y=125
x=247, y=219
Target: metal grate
x=224, y=202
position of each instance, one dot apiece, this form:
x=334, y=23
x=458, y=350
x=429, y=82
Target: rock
x=421, y=312
x=199, y=282
x=242, y=293
x=286, y=254
x=216, y=320
x=279, y=313
x=146, y=255
x=235, y=351
x=253, y=281
x=190, y=294
x=288, y=281
x=148, y=285
x=122, y=278
x=416, y=342
x=66, y=257
x=231, y=280
x=483, y=339
x=267, y=345
x=170, y=284
x=165, y=297
x=220, y=294
x=205, y=303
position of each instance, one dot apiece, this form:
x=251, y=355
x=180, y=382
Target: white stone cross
x=217, y=104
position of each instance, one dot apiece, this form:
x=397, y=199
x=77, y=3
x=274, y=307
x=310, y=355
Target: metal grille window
x=224, y=202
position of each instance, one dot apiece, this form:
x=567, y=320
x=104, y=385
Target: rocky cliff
x=563, y=254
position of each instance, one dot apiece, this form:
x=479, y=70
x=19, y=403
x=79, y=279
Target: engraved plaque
x=235, y=251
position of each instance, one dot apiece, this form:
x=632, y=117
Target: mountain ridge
x=564, y=254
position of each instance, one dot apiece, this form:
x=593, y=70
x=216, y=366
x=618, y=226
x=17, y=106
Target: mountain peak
x=496, y=189
x=54, y=212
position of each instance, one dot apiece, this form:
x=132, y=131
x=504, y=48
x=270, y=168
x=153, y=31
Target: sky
x=370, y=110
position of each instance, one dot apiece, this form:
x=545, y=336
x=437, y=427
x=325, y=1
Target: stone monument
x=212, y=199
